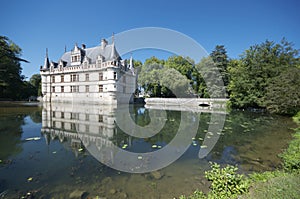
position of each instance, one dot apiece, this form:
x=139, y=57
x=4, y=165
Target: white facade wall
x=78, y=83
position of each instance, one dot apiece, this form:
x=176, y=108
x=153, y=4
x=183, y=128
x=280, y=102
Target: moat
x=47, y=151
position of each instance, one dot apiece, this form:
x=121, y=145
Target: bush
x=226, y=183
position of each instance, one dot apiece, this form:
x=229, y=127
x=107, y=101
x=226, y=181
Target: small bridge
x=188, y=102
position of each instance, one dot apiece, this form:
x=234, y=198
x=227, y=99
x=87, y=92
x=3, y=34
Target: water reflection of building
x=81, y=125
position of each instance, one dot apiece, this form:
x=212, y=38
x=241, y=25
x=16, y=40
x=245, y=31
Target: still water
x=69, y=151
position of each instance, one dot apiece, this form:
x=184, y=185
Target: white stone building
x=89, y=75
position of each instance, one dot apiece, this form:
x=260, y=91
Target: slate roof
x=109, y=53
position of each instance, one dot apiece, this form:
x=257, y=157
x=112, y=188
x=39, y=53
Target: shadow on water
x=57, y=161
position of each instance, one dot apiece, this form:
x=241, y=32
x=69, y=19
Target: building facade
x=89, y=75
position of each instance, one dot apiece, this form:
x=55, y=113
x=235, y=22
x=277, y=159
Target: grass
x=284, y=186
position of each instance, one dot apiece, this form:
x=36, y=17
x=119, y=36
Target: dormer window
x=86, y=61
x=77, y=55
x=75, y=58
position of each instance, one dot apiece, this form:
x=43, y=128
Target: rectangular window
x=73, y=127
x=87, y=117
x=53, y=113
x=62, y=89
x=74, y=89
x=53, y=79
x=87, y=77
x=115, y=75
x=100, y=76
x=62, y=115
x=100, y=88
x=53, y=89
x=62, y=78
x=74, y=78
x=100, y=118
x=87, y=88
x=74, y=116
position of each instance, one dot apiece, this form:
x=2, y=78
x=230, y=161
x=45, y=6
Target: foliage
x=220, y=58
x=253, y=73
x=12, y=83
x=226, y=183
x=296, y=118
x=265, y=176
x=196, y=195
x=181, y=64
x=161, y=81
x=35, y=81
x=211, y=84
x=282, y=93
x=205, y=79
x=11, y=80
x=291, y=156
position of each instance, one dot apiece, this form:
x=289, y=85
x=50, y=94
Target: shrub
x=226, y=183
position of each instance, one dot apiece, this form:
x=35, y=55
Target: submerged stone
x=77, y=194
x=157, y=175
x=112, y=191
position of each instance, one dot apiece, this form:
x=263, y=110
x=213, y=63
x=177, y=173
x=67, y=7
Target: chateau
x=95, y=75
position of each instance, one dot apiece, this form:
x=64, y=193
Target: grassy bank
x=284, y=183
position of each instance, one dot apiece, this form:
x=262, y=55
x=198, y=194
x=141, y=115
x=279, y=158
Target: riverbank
x=281, y=183
x=18, y=103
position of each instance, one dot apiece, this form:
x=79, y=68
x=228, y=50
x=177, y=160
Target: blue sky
x=35, y=25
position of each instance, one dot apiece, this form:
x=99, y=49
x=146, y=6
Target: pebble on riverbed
x=77, y=194
x=157, y=175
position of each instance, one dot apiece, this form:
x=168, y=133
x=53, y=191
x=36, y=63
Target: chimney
x=83, y=46
x=103, y=43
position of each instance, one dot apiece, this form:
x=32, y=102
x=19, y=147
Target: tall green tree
x=210, y=80
x=11, y=80
x=220, y=58
x=253, y=73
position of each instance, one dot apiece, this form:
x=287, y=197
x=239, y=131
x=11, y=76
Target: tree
x=148, y=77
x=283, y=94
x=253, y=73
x=210, y=80
x=220, y=58
x=159, y=80
x=182, y=65
x=11, y=80
x=35, y=81
x=174, y=84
